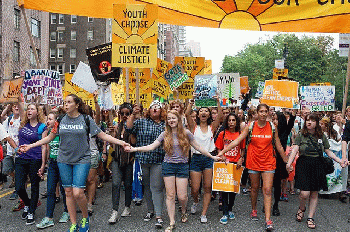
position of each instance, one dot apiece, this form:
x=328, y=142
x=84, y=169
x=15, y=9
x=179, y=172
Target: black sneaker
x=57, y=200
x=275, y=212
x=30, y=219
x=25, y=212
x=148, y=217
x=159, y=223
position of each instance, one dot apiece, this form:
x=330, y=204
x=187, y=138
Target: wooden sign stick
x=345, y=97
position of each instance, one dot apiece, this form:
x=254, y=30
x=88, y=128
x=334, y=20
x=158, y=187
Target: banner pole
x=30, y=36
x=137, y=86
x=127, y=84
x=345, y=97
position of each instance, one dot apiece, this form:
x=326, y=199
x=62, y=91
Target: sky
x=216, y=43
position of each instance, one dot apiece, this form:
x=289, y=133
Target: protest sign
x=144, y=76
x=71, y=88
x=42, y=86
x=134, y=36
x=208, y=68
x=280, y=74
x=118, y=92
x=176, y=76
x=205, y=88
x=146, y=97
x=228, y=87
x=281, y=93
x=317, y=98
x=244, y=85
x=160, y=86
x=255, y=102
x=226, y=177
x=321, y=84
x=105, y=97
x=83, y=78
x=100, y=59
x=10, y=90
x=260, y=89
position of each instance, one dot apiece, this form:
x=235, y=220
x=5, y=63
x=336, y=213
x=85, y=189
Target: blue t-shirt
x=29, y=135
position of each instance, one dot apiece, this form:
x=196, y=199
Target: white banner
x=228, y=87
x=84, y=78
x=317, y=98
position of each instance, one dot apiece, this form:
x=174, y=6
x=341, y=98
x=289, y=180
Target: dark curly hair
x=238, y=122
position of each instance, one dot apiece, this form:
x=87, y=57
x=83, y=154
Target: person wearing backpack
x=74, y=156
x=230, y=133
x=310, y=174
x=261, y=139
x=31, y=162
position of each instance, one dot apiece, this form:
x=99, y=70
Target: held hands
x=343, y=163
x=41, y=172
x=289, y=168
x=239, y=163
x=24, y=148
x=216, y=158
x=130, y=149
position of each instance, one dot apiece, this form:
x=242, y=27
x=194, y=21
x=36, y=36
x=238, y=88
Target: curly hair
x=238, y=122
x=318, y=129
x=40, y=115
x=162, y=114
x=177, y=102
x=182, y=137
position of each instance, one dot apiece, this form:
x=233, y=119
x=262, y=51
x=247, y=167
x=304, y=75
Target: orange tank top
x=260, y=154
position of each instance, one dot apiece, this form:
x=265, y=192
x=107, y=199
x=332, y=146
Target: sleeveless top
x=206, y=140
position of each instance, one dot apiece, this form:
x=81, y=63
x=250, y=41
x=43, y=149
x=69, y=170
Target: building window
x=53, y=18
x=53, y=67
x=60, y=69
x=60, y=36
x=73, y=35
x=17, y=18
x=35, y=28
x=60, y=19
x=16, y=51
x=90, y=35
x=73, y=53
x=90, y=20
x=53, y=36
x=52, y=53
x=32, y=56
x=72, y=68
x=73, y=19
x=59, y=52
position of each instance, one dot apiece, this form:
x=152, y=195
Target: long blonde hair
x=40, y=116
x=181, y=136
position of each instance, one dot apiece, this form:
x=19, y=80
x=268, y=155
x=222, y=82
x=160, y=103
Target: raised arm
x=4, y=113
x=131, y=118
x=97, y=109
x=190, y=122
x=236, y=142
x=217, y=121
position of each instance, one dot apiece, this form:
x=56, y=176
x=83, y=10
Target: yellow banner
x=71, y=88
x=118, y=92
x=134, y=36
x=10, y=90
x=244, y=85
x=226, y=177
x=321, y=84
x=144, y=74
x=258, y=15
x=279, y=74
x=281, y=93
x=159, y=85
x=193, y=66
x=208, y=68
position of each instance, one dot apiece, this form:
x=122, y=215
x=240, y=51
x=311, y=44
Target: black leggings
x=228, y=201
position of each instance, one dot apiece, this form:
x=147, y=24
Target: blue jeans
x=53, y=177
x=74, y=175
x=23, y=168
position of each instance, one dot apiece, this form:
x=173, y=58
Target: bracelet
x=16, y=149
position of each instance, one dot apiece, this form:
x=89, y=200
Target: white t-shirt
x=12, y=129
x=3, y=133
x=338, y=129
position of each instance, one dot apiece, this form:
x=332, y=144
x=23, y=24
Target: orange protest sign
x=279, y=74
x=281, y=94
x=10, y=90
x=244, y=85
x=71, y=88
x=226, y=177
x=208, y=68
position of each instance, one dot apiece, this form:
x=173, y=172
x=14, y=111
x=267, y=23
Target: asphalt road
x=331, y=215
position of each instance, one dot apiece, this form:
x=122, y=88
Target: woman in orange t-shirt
x=260, y=160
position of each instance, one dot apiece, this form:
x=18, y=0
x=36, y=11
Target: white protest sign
x=260, y=89
x=228, y=87
x=317, y=98
x=84, y=78
x=105, y=98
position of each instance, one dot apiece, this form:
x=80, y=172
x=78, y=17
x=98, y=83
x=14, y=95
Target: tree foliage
x=308, y=60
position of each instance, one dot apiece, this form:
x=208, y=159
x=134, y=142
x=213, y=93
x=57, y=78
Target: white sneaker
x=204, y=219
x=114, y=217
x=126, y=212
x=194, y=208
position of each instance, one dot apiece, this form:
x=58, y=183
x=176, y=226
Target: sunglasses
x=123, y=113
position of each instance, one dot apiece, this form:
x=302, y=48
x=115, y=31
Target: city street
x=331, y=215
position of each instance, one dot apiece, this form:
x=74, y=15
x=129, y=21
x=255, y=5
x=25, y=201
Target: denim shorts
x=180, y=170
x=200, y=162
x=257, y=172
x=74, y=175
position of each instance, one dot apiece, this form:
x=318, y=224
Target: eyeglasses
x=123, y=113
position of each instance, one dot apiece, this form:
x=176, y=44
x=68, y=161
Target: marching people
x=176, y=141
x=74, y=157
x=310, y=175
x=261, y=138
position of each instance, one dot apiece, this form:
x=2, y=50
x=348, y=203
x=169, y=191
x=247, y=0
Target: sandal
x=170, y=228
x=300, y=214
x=184, y=217
x=311, y=223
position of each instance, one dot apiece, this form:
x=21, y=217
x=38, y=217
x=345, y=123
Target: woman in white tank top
x=201, y=167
